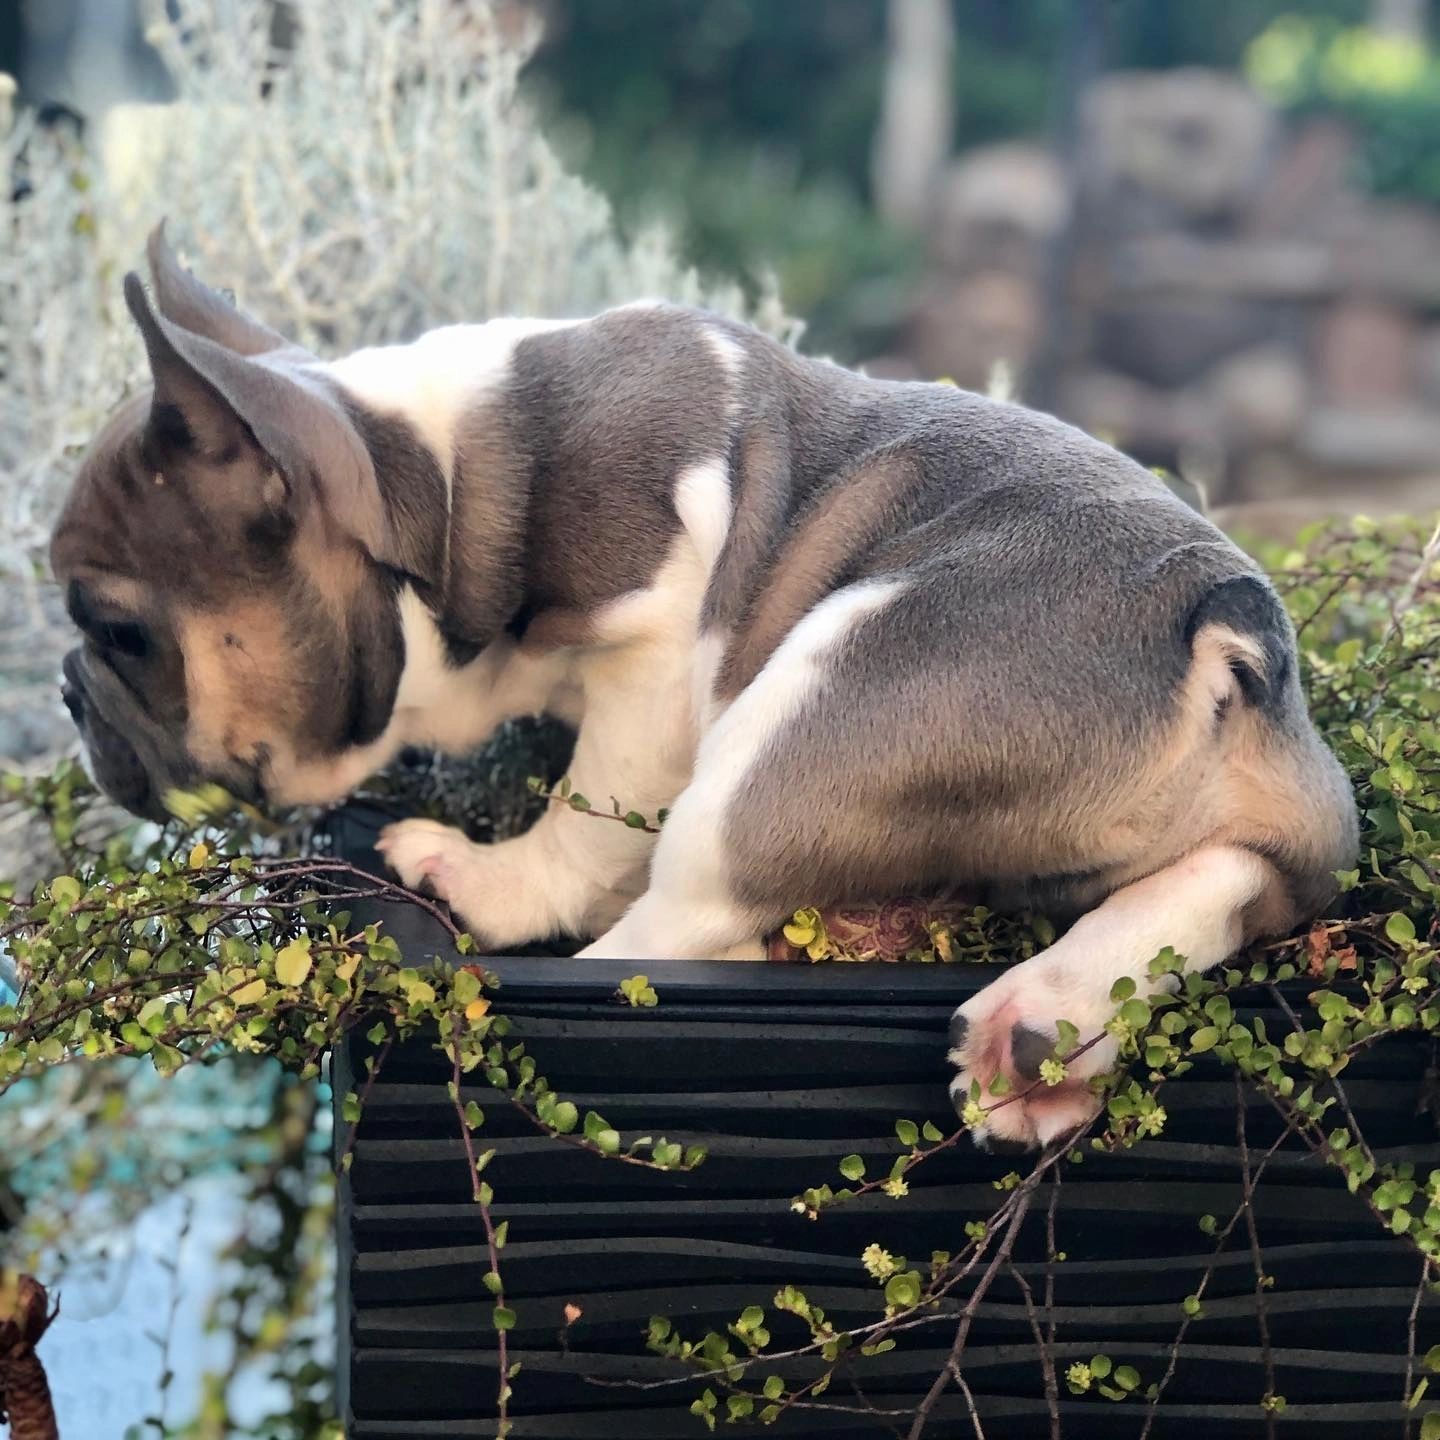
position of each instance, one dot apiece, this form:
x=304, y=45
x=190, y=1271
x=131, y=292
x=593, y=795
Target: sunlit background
x=1208, y=230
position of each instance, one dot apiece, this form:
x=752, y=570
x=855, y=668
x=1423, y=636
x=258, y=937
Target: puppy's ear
x=180, y=297
x=210, y=403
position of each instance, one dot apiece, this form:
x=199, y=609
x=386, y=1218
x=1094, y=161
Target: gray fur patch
x=605, y=416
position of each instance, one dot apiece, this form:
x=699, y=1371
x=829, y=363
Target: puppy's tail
x=1284, y=794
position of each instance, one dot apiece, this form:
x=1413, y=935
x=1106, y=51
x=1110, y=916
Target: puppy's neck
x=438, y=422
x=437, y=382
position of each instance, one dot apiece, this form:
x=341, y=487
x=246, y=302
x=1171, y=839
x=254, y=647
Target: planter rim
x=353, y=829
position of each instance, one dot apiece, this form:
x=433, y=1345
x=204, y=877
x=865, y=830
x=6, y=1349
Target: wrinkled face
x=232, y=627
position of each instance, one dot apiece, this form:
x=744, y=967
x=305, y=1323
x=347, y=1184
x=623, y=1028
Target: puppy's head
x=225, y=553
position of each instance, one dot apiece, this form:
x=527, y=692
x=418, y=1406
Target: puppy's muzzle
x=117, y=766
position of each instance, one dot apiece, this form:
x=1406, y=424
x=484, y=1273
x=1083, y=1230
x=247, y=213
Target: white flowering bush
x=356, y=175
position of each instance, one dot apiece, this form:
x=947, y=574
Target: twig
x=951, y=1370
x=1221, y=1240
x=377, y=1062
x=1411, y=1326
x=1262, y=1318
x=1429, y=555
x=477, y=1193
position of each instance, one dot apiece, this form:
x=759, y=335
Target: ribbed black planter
x=779, y=1071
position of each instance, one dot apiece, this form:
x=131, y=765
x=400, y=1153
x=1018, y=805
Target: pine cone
x=25, y=1403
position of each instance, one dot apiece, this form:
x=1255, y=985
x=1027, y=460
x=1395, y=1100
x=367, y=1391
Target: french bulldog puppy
x=861, y=638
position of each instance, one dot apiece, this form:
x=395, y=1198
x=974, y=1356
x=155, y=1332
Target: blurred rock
x=1388, y=249
x=1190, y=142
x=1154, y=424
x=1297, y=268
x=1239, y=308
x=1175, y=339
x=1365, y=354
x=1262, y=395
x=998, y=206
x=1311, y=180
x=1427, y=365
x=961, y=328
x=1374, y=440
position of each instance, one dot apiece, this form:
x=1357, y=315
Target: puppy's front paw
x=1010, y=1029
x=433, y=859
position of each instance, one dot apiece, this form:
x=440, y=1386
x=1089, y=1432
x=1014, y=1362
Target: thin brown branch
x=1247, y=1199
x=1412, y=1326
x=377, y=1063
x=1221, y=1240
x=1023, y=1195
x=477, y=1193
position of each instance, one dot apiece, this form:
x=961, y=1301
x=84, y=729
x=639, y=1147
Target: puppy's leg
x=570, y=873
x=1198, y=906
x=692, y=908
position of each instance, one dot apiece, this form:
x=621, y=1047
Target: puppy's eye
x=125, y=637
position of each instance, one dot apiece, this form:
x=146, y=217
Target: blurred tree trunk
x=1405, y=18
x=917, y=109
x=1082, y=62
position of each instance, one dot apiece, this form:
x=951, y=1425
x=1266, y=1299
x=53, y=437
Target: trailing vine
x=211, y=942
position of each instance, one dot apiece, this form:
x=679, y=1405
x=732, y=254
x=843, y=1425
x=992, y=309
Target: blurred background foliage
x=751, y=124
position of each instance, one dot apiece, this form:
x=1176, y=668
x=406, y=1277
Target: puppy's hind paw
x=1000, y=1053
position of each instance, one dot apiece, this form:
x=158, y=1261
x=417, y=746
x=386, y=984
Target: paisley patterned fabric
x=886, y=932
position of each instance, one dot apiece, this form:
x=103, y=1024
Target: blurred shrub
x=375, y=175
x=1385, y=86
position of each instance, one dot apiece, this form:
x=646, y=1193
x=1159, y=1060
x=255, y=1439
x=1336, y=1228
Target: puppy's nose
x=72, y=685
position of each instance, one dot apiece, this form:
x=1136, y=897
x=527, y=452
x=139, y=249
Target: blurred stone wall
x=1233, y=304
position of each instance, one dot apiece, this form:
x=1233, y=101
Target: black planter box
x=780, y=1070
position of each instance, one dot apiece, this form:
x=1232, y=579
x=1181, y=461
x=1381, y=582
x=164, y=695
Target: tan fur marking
x=1236, y=779
x=335, y=571
x=121, y=591
x=241, y=681
x=837, y=527
x=558, y=629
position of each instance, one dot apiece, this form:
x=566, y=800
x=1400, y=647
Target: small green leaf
x=293, y=963
x=250, y=994
x=903, y=1290
x=852, y=1167
x=1135, y=1013
x=1400, y=928
x=66, y=890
